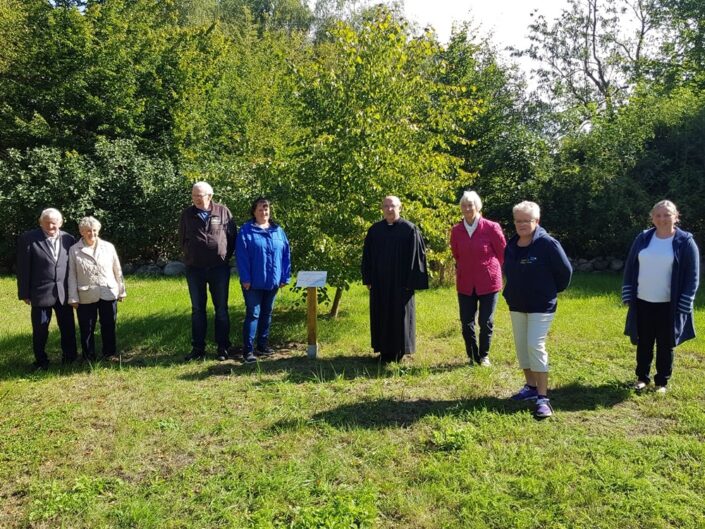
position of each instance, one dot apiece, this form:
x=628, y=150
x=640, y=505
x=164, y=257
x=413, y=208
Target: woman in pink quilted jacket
x=478, y=246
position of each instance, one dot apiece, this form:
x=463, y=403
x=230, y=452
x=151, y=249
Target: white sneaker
x=639, y=385
x=485, y=362
x=661, y=390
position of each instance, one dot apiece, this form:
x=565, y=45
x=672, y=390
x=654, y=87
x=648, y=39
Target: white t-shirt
x=655, y=268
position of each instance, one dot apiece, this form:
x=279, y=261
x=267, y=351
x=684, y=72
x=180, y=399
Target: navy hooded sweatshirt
x=535, y=273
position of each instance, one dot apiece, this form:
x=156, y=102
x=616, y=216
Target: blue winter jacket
x=263, y=256
x=685, y=277
x=534, y=281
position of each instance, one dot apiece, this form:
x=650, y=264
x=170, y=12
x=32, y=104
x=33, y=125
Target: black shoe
x=195, y=354
x=264, y=351
x=222, y=355
x=42, y=365
x=249, y=358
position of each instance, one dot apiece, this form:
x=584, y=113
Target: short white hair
x=51, y=213
x=393, y=198
x=532, y=208
x=88, y=222
x=471, y=197
x=203, y=185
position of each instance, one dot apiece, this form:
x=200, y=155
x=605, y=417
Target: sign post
x=311, y=280
x=312, y=322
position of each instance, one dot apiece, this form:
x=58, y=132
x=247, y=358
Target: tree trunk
x=336, y=303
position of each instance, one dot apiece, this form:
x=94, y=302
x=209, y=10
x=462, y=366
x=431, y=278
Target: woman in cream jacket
x=95, y=286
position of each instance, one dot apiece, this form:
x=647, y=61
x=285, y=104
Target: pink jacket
x=478, y=259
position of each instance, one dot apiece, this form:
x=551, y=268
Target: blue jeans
x=258, y=317
x=468, y=309
x=217, y=280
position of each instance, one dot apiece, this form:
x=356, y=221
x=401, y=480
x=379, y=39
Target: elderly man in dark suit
x=42, y=266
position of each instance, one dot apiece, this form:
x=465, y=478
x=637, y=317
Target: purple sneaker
x=543, y=409
x=525, y=393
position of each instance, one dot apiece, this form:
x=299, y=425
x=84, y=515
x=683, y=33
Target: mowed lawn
x=340, y=441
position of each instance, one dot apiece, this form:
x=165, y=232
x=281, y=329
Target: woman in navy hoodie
x=660, y=280
x=264, y=265
x=536, y=269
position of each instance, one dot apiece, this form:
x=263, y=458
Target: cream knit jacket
x=94, y=273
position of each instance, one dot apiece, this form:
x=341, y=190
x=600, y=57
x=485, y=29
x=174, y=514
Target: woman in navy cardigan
x=537, y=269
x=264, y=265
x=661, y=277
x=477, y=245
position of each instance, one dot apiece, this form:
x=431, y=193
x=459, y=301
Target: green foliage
x=592, y=55
x=55, y=502
x=505, y=160
x=607, y=180
x=137, y=197
x=377, y=122
x=338, y=510
x=239, y=131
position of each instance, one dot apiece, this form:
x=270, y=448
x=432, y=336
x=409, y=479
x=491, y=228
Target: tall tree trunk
x=336, y=303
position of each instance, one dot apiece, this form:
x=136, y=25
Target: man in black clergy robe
x=393, y=267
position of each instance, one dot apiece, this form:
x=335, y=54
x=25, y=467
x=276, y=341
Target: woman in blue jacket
x=536, y=269
x=660, y=280
x=264, y=265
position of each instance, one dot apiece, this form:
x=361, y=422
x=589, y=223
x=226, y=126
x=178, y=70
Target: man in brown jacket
x=207, y=236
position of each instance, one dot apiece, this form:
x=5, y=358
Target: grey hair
x=88, y=222
x=203, y=185
x=532, y=208
x=471, y=197
x=52, y=213
x=670, y=206
x=393, y=198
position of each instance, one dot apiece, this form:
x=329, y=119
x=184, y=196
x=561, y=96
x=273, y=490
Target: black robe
x=394, y=265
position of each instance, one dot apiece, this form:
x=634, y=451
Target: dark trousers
x=217, y=280
x=485, y=319
x=88, y=316
x=258, y=317
x=654, y=324
x=41, y=318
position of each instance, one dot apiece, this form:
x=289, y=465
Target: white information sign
x=311, y=278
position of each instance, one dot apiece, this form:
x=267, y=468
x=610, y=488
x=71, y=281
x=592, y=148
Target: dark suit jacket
x=40, y=278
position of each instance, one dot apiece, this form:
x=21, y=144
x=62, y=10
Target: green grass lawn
x=340, y=442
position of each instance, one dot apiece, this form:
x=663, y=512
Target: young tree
x=595, y=53
x=377, y=122
x=505, y=159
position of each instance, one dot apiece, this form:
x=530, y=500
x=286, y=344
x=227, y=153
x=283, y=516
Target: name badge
x=215, y=219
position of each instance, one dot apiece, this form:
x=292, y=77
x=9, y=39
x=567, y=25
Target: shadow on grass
x=300, y=370
x=161, y=339
x=386, y=413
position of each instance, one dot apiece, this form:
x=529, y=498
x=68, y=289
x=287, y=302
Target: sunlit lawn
x=340, y=441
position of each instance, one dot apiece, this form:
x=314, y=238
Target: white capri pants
x=530, y=330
